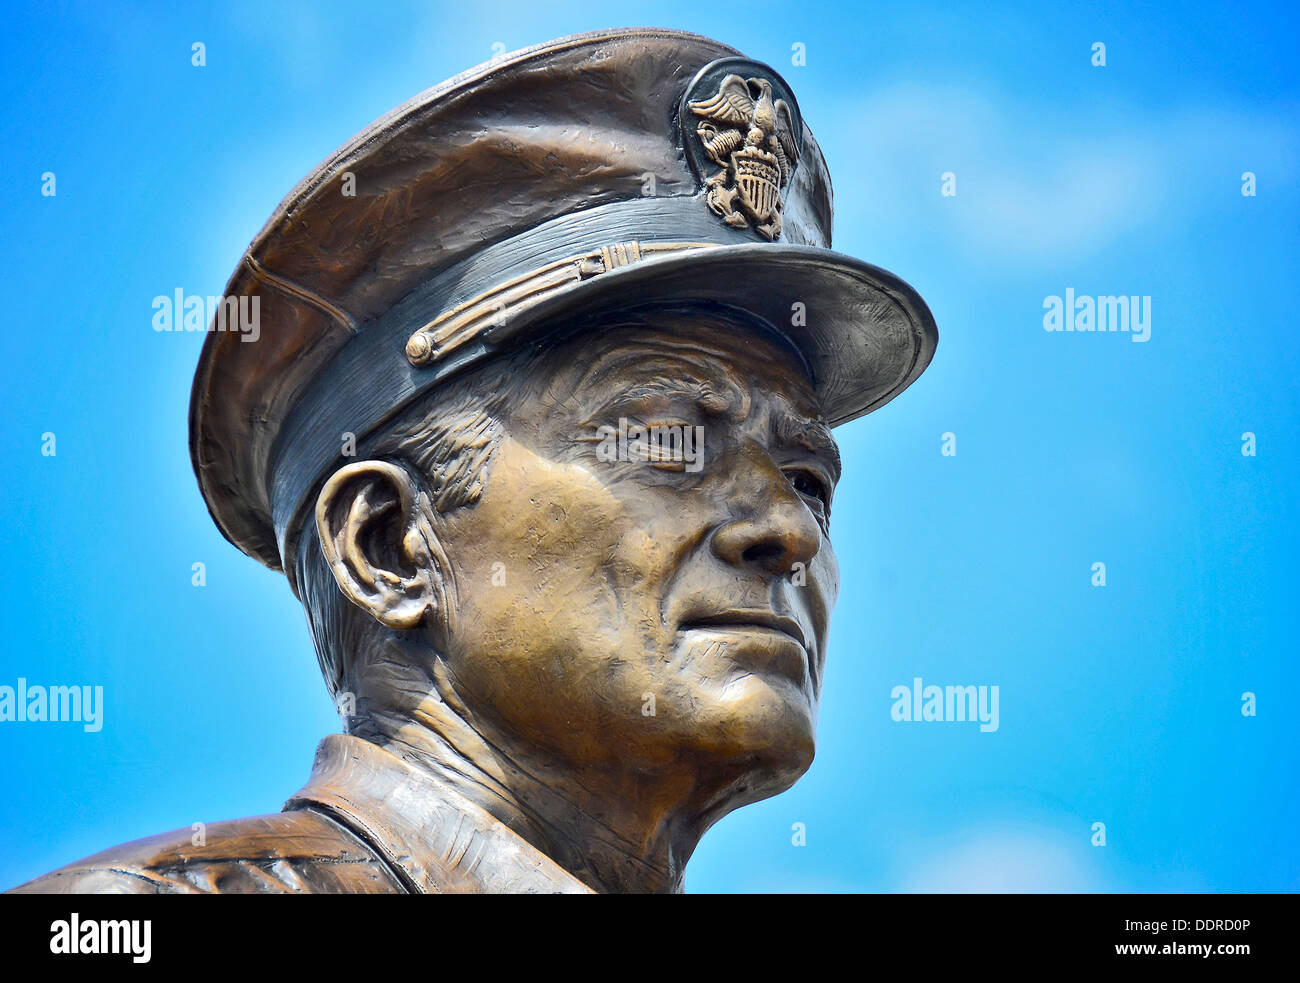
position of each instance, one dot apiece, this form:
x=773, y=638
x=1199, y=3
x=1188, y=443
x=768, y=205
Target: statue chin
x=763, y=713
x=767, y=735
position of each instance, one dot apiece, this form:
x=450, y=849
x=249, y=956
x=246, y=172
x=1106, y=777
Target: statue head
x=537, y=422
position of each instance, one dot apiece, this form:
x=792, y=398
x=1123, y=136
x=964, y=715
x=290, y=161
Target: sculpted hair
x=446, y=441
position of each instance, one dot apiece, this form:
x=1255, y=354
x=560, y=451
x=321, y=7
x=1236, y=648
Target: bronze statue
x=537, y=423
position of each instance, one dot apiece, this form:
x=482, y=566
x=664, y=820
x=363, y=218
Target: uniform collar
x=436, y=840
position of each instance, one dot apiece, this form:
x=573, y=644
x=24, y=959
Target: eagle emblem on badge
x=751, y=136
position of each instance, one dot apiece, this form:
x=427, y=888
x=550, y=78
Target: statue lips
x=760, y=637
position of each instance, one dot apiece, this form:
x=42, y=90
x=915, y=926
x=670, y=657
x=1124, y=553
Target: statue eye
x=670, y=445
x=807, y=483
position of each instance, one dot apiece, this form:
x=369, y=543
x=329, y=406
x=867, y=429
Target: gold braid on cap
x=451, y=329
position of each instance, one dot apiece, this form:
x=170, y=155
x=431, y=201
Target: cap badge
x=753, y=136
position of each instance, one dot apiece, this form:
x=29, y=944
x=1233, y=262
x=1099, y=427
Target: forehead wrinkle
x=706, y=397
x=668, y=341
x=708, y=374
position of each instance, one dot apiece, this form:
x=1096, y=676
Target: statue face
x=622, y=612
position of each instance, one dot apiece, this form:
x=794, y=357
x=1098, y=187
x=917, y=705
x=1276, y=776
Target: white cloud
x=1035, y=185
x=1022, y=859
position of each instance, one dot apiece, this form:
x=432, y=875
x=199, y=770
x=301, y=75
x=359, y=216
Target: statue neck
x=644, y=834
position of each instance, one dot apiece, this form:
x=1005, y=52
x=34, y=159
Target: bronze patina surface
x=538, y=425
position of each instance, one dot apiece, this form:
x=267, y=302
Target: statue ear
x=381, y=552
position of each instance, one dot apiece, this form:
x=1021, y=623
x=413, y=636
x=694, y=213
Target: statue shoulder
x=295, y=852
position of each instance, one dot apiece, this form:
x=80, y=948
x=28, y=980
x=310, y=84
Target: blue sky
x=1118, y=704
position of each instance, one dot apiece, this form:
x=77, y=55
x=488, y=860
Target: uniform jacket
x=367, y=822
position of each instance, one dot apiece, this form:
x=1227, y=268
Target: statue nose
x=773, y=544
x=781, y=534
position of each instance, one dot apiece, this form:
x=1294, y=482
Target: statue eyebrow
x=709, y=397
x=812, y=435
